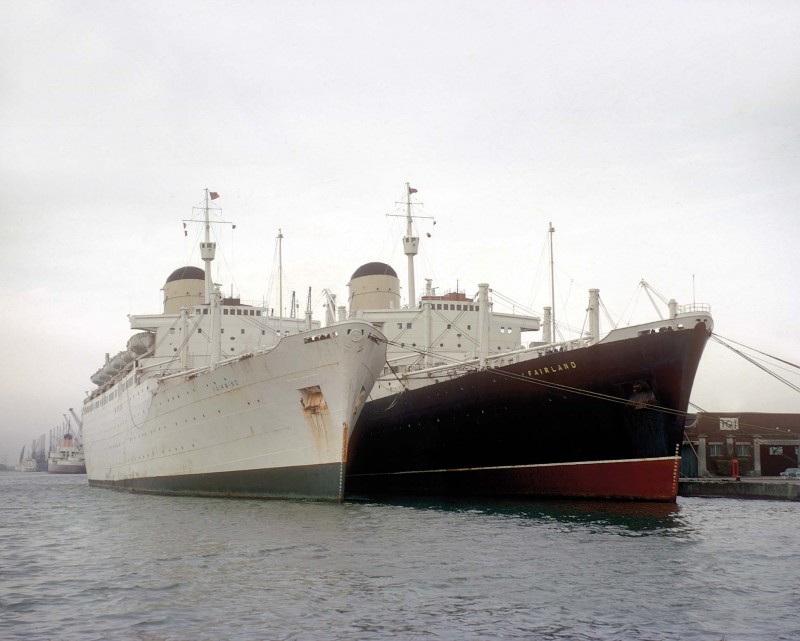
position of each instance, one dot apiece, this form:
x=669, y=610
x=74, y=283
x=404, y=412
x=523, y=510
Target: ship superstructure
x=66, y=449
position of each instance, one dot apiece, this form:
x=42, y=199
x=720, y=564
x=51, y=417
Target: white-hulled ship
x=66, y=450
x=214, y=397
x=66, y=457
x=27, y=463
x=464, y=408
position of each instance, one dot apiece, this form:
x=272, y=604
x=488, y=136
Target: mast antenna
x=208, y=248
x=280, y=281
x=410, y=244
x=551, y=230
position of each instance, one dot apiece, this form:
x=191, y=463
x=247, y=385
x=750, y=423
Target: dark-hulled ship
x=464, y=409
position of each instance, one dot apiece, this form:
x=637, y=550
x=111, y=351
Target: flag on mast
x=213, y=195
x=411, y=190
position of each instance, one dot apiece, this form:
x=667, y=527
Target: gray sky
x=661, y=138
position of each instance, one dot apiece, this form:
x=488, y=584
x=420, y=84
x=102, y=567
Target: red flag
x=213, y=195
x=411, y=190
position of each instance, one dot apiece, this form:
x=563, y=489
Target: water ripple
x=78, y=563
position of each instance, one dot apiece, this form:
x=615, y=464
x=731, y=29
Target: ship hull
x=61, y=467
x=300, y=481
x=66, y=459
x=273, y=424
x=563, y=424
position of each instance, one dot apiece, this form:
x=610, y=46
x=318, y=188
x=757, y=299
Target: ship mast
x=280, y=282
x=207, y=251
x=410, y=246
x=551, y=231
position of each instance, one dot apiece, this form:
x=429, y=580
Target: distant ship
x=66, y=457
x=26, y=463
x=465, y=409
x=218, y=398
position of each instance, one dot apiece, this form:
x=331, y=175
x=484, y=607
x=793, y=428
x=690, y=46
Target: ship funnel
x=186, y=286
x=373, y=286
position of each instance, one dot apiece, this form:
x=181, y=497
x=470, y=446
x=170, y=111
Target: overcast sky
x=660, y=138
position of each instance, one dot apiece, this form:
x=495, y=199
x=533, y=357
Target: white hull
x=66, y=458
x=66, y=467
x=272, y=423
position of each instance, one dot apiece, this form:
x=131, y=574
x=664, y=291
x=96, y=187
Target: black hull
x=530, y=428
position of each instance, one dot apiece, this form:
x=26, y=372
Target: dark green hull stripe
x=321, y=482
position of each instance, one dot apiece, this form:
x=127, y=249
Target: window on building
x=399, y=325
x=743, y=450
x=408, y=325
x=715, y=450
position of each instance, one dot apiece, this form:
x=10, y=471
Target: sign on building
x=729, y=424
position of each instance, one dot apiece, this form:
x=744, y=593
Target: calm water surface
x=84, y=563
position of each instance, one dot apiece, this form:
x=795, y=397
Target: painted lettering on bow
x=552, y=369
x=218, y=387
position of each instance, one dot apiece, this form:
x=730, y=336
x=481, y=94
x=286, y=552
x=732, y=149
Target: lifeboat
x=118, y=363
x=99, y=377
x=141, y=343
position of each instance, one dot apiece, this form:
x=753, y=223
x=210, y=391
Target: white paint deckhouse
x=215, y=397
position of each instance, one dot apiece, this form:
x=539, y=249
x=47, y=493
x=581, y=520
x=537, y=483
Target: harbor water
x=81, y=563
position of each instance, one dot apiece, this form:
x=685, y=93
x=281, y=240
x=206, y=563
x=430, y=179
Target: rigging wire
x=607, y=315
x=753, y=426
x=753, y=361
x=758, y=351
x=511, y=302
